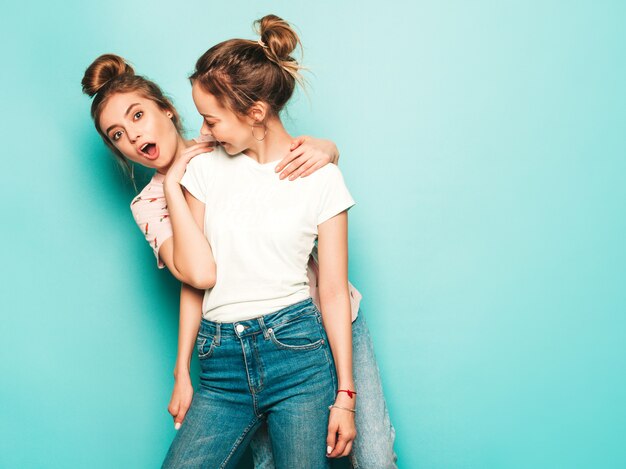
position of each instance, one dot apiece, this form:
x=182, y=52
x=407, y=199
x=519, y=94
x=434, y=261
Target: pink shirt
x=150, y=212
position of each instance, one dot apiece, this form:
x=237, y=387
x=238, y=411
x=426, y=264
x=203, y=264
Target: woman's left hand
x=341, y=428
x=307, y=155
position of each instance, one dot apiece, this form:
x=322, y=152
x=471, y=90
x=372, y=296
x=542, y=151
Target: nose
x=205, y=130
x=133, y=134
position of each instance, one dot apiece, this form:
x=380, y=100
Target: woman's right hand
x=176, y=172
x=181, y=399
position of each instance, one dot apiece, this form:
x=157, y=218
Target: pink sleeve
x=149, y=209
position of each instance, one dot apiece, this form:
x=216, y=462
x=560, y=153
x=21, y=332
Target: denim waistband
x=256, y=325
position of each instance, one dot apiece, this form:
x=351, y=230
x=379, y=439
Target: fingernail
x=176, y=425
x=277, y=169
x=329, y=449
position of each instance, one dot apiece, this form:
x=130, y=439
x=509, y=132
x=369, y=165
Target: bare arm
x=192, y=256
x=189, y=322
x=166, y=254
x=336, y=315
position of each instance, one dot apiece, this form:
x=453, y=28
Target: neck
x=273, y=147
x=181, y=145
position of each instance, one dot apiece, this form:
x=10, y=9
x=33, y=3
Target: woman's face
x=140, y=130
x=231, y=130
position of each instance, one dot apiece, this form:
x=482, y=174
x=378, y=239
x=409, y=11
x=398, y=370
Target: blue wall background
x=484, y=143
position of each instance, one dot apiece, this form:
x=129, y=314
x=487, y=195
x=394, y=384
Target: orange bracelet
x=348, y=391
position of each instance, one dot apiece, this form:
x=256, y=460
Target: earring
x=264, y=132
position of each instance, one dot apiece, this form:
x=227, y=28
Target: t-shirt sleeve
x=335, y=197
x=151, y=215
x=196, y=176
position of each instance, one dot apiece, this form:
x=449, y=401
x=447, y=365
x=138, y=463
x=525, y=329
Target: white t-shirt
x=261, y=230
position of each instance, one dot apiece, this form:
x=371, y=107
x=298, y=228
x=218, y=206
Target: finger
x=340, y=446
x=193, y=152
x=204, y=138
x=331, y=439
x=292, y=155
x=293, y=166
x=182, y=412
x=297, y=173
x=201, y=145
x=348, y=449
x=173, y=408
x=312, y=169
x=297, y=142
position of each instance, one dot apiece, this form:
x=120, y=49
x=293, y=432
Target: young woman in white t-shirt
x=249, y=240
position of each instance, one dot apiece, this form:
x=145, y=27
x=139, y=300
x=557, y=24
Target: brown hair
x=241, y=72
x=110, y=74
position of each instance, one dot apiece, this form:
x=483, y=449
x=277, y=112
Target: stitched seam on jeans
x=329, y=362
x=311, y=346
x=209, y=352
x=307, y=310
x=263, y=328
x=238, y=442
x=260, y=367
x=250, y=388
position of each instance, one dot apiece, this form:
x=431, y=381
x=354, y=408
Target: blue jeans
x=277, y=368
x=373, y=447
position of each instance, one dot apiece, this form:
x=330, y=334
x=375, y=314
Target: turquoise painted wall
x=484, y=143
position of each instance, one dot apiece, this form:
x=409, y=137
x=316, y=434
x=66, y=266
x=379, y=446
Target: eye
x=210, y=125
x=138, y=115
x=116, y=135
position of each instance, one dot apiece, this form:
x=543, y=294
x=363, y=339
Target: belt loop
x=217, y=333
x=263, y=328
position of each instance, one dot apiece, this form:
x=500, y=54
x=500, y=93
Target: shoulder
x=151, y=193
x=207, y=161
x=329, y=174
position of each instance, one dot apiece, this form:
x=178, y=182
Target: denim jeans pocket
x=301, y=333
x=205, y=346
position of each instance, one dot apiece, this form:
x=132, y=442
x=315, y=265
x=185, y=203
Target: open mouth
x=150, y=150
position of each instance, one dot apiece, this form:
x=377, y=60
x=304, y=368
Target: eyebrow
x=125, y=114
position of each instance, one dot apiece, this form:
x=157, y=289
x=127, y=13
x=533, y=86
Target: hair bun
x=102, y=70
x=278, y=36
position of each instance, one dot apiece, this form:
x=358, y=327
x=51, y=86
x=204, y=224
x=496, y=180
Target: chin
x=231, y=150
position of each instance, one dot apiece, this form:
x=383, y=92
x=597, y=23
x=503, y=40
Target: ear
x=169, y=114
x=258, y=112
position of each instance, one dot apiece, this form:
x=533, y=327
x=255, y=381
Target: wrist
x=170, y=184
x=181, y=372
x=347, y=384
x=351, y=393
